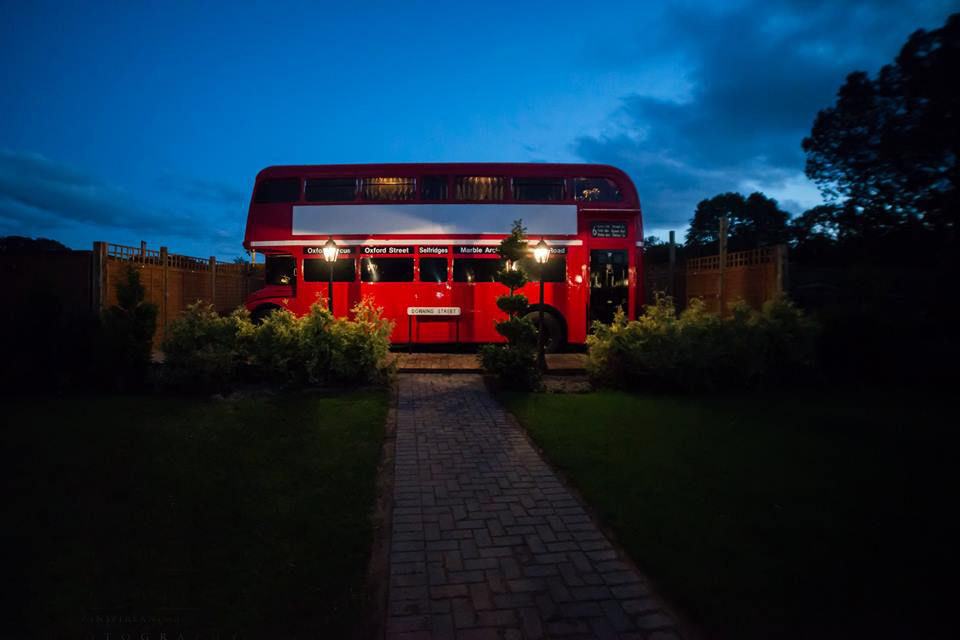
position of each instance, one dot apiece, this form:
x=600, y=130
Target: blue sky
x=125, y=121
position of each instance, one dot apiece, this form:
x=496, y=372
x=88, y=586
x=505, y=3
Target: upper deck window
x=388, y=188
x=277, y=190
x=331, y=189
x=537, y=189
x=480, y=188
x=433, y=188
x=596, y=190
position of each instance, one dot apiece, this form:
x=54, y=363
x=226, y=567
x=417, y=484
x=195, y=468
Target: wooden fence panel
x=173, y=282
x=753, y=276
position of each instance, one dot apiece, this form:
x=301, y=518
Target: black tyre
x=553, y=338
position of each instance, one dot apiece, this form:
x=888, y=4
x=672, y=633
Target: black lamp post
x=541, y=253
x=330, y=254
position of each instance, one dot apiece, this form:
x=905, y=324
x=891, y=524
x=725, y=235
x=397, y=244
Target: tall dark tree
x=753, y=221
x=890, y=146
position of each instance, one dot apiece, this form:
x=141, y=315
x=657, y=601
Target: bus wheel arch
x=262, y=311
x=554, y=323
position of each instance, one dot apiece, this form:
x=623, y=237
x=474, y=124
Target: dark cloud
x=753, y=79
x=38, y=195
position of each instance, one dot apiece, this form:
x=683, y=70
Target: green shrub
x=698, y=350
x=341, y=351
x=274, y=348
x=205, y=350
x=127, y=333
x=516, y=367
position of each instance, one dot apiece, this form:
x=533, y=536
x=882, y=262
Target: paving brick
x=497, y=618
x=487, y=542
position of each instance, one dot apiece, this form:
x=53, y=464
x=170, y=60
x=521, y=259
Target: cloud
x=39, y=196
x=48, y=192
x=754, y=77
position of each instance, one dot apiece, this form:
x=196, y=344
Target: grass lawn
x=183, y=515
x=801, y=514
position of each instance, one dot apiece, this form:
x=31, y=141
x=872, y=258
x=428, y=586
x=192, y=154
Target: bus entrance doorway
x=609, y=283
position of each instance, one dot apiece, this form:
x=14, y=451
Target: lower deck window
x=318, y=270
x=386, y=270
x=433, y=270
x=279, y=270
x=476, y=269
x=555, y=270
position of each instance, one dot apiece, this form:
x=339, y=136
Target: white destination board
x=350, y=219
x=433, y=311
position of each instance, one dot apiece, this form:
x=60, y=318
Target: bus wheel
x=553, y=330
x=260, y=313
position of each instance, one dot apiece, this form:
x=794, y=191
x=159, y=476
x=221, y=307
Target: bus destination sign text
x=387, y=251
x=608, y=229
x=318, y=251
x=432, y=250
x=476, y=250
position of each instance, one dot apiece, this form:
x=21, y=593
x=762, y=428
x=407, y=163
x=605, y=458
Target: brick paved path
x=487, y=543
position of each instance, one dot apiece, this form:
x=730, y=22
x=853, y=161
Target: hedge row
x=205, y=350
x=697, y=350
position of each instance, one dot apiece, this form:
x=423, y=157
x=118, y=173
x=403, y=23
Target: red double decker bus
x=422, y=240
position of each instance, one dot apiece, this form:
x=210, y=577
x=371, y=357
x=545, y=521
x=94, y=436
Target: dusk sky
x=125, y=121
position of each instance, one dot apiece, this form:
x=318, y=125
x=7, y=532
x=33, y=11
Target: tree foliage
x=890, y=145
x=128, y=329
x=753, y=221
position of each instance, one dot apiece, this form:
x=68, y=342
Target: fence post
x=213, y=282
x=143, y=251
x=673, y=264
x=99, y=276
x=780, y=256
x=722, y=241
x=164, y=288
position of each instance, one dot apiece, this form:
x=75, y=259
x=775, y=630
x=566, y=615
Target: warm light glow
x=541, y=252
x=330, y=250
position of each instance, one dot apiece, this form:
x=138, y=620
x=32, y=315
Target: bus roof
x=426, y=168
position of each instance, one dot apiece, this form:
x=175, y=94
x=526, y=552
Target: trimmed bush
x=207, y=351
x=204, y=349
x=698, y=350
x=514, y=363
x=341, y=351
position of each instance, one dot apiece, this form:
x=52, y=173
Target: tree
x=17, y=245
x=752, y=221
x=890, y=146
x=516, y=361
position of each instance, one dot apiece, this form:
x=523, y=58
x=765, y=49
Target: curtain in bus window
x=537, y=189
x=433, y=188
x=388, y=188
x=596, y=190
x=480, y=188
x=277, y=190
x=331, y=190
x=433, y=270
x=318, y=270
x=476, y=269
x=386, y=270
x=555, y=270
